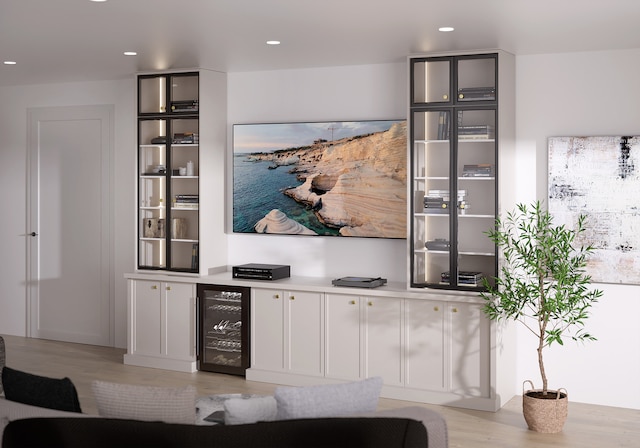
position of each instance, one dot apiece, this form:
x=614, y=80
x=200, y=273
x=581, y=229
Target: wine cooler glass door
x=223, y=329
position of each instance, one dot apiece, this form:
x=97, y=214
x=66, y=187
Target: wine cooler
x=223, y=328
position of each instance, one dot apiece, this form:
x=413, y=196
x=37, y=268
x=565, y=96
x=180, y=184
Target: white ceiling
x=76, y=40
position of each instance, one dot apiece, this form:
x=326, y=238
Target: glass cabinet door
x=476, y=79
x=476, y=181
x=431, y=81
x=185, y=199
x=431, y=158
x=152, y=166
x=184, y=93
x=152, y=95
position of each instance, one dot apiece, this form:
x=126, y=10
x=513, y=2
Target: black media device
x=359, y=282
x=256, y=271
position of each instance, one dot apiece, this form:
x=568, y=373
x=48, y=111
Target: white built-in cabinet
x=426, y=337
x=290, y=331
x=161, y=325
x=343, y=337
x=435, y=351
x=363, y=337
x=433, y=348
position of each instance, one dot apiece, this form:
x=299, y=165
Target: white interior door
x=70, y=222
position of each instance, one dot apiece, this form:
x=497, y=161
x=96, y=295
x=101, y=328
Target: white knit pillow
x=332, y=400
x=169, y=405
x=240, y=411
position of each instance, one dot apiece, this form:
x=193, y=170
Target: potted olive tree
x=542, y=284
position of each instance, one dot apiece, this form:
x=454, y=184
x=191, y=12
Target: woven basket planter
x=546, y=415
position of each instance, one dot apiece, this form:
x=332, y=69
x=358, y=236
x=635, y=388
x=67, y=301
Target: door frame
x=35, y=115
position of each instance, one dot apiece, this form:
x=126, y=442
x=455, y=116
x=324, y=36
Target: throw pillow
x=35, y=390
x=333, y=400
x=149, y=403
x=240, y=411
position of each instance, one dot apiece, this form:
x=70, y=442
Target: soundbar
x=256, y=271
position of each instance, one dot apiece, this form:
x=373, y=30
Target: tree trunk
x=543, y=374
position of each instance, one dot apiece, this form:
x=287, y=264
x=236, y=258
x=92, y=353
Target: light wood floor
x=588, y=426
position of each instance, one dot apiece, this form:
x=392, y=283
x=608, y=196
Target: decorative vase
x=548, y=414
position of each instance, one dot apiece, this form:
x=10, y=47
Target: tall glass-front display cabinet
x=168, y=167
x=454, y=146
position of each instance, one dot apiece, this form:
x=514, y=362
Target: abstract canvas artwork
x=600, y=177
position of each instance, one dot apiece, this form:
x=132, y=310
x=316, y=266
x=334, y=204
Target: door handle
x=33, y=234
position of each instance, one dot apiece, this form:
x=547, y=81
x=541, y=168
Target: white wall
x=13, y=172
x=322, y=94
x=581, y=94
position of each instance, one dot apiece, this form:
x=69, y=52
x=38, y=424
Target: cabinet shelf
x=476, y=140
x=461, y=252
x=158, y=207
x=431, y=141
x=469, y=215
x=423, y=178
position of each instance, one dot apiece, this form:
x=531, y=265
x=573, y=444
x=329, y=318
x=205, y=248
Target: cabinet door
x=383, y=339
x=305, y=332
x=267, y=332
x=425, y=345
x=146, y=317
x=469, y=333
x=179, y=335
x=342, y=314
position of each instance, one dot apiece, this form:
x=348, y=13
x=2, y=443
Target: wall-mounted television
x=337, y=178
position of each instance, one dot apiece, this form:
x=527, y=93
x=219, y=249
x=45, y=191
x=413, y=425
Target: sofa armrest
x=12, y=410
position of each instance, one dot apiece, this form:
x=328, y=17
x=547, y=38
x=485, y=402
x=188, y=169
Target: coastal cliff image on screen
x=345, y=178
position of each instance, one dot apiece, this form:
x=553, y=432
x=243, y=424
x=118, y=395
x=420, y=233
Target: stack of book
x=480, y=170
x=465, y=278
x=185, y=138
x=184, y=106
x=476, y=132
x=437, y=201
x=186, y=201
x=477, y=93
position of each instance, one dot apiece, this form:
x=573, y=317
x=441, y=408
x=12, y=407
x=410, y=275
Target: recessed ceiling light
x=273, y=42
x=130, y=53
x=446, y=29
x=9, y=62
x=98, y=1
